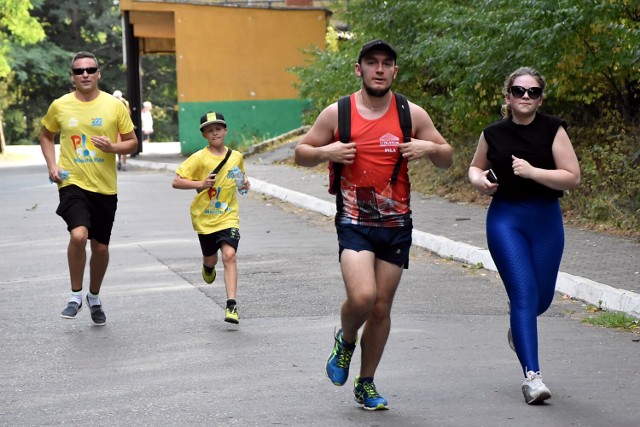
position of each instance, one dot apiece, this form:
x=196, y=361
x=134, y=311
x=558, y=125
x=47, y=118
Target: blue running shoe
x=339, y=360
x=366, y=394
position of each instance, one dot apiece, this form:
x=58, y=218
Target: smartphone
x=491, y=176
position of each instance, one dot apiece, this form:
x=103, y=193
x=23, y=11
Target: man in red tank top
x=373, y=221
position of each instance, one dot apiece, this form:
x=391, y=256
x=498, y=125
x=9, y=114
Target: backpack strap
x=405, y=124
x=344, y=135
x=226, y=157
x=344, y=118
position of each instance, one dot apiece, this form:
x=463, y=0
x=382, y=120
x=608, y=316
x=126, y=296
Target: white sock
x=93, y=299
x=76, y=297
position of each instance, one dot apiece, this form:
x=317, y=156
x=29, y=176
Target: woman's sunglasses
x=80, y=71
x=519, y=91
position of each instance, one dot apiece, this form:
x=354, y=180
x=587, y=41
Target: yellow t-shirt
x=214, y=209
x=77, y=121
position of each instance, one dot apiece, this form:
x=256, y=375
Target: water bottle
x=236, y=174
x=63, y=174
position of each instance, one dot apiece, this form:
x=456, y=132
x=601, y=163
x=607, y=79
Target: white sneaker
x=533, y=388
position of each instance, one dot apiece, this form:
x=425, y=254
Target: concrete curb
x=577, y=287
x=265, y=145
x=599, y=294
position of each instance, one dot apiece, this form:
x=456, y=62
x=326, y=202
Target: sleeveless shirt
x=368, y=197
x=530, y=142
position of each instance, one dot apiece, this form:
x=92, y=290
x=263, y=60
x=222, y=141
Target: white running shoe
x=533, y=388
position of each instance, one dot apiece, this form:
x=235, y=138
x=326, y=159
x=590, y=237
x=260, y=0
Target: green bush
x=453, y=57
x=609, y=194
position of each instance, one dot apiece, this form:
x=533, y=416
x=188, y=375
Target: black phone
x=491, y=176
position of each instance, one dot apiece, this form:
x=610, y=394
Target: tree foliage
x=41, y=71
x=17, y=27
x=454, y=55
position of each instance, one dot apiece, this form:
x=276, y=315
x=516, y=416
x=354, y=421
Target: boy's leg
x=229, y=239
x=230, y=269
x=211, y=260
x=209, y=249
x=209, y=267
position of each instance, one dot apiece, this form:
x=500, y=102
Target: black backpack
x=344, y=134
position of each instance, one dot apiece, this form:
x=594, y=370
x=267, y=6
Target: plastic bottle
x=236, y=174
x=64, y=174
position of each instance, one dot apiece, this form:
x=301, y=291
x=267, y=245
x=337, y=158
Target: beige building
x=231, y=56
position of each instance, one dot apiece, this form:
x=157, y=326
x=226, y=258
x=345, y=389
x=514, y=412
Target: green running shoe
x=366, y=394
x=231, y=314
x=208, y=277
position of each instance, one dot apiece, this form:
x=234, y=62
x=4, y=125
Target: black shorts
x=210, y=243
x=79, y=207
x=391, y=244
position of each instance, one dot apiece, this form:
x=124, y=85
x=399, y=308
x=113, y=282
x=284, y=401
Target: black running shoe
x=97, y=315
x=72, y=310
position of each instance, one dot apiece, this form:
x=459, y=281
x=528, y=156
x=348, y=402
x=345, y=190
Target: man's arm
x=318, y=144
x=127, y=145
x=427, y=141
x=47, y=145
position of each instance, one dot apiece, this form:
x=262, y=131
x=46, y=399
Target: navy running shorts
x=390, y=244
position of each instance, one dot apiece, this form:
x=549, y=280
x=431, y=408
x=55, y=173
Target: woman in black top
x=532, y=162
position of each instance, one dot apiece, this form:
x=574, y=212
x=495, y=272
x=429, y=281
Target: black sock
x=231, y=303
x=209, y=270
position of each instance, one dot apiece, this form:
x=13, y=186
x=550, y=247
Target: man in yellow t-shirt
x=214, y=210
x=94, y=126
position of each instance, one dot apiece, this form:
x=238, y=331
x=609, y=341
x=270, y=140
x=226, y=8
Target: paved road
x=166, y=357
x=598, y=268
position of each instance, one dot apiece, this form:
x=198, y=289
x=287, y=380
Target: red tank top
x=368, y=196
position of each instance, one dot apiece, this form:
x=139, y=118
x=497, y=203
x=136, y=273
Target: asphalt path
x=166, y=358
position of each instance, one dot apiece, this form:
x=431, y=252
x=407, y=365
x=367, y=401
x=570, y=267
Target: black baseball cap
x=377, y=44
x=210, y=118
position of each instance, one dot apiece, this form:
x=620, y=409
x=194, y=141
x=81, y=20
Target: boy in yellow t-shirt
x=214, y=210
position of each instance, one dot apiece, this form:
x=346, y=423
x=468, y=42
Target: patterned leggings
x=526, y=240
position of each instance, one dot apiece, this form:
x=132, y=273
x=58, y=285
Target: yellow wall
x=242, y=53
x=231, y=59
x=232, y=53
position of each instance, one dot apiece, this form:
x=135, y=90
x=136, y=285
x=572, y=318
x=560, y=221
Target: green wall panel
x=245, y=120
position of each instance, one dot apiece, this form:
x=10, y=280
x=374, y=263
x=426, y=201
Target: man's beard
x=375, y=93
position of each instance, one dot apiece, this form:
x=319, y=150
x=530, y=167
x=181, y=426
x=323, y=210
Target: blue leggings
x=526, y=240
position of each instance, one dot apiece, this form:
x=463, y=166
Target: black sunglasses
x=80, y=71
x=519, y=91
